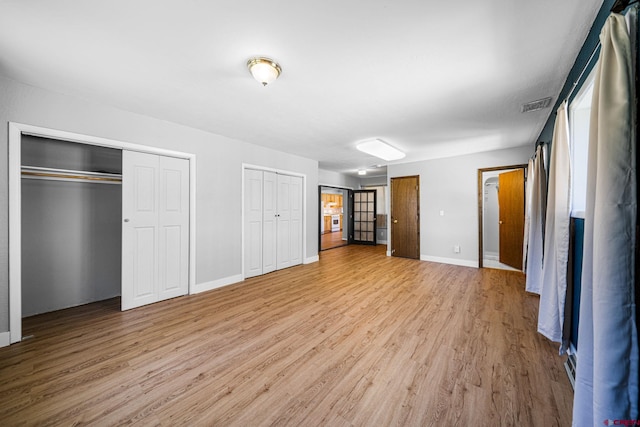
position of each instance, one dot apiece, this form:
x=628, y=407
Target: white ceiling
x=434, y=79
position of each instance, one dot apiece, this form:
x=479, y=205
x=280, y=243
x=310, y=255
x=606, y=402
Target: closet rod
x=64, y=174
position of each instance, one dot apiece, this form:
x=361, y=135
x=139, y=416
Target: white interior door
x=173, y=227
x=253, y=219
x=295, y=213
x=269, y=222
x=155, y=230
x=139, y=229
x=273, y=219
x=284, y=222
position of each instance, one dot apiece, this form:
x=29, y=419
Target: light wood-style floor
x=332, y=240
x=358, y=339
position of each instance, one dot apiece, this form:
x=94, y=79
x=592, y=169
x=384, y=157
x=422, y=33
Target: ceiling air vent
x=536, y=105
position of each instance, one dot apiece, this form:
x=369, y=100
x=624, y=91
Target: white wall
x=336, y=179
x=219, y=172
x=71, y=244
x=451, y=185
x=373, y=181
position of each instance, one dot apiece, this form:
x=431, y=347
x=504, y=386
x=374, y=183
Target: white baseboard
x=5, y=339
x=312, y=259
x=492, y=255
x=489, y=263
x=454, y=261
x=388, y=253
x=215, y=284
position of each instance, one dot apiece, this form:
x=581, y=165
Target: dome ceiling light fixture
x=264, y=70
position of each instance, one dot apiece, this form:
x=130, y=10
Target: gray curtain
x=607, y=357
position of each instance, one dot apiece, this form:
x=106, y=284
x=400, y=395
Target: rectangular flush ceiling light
x=379, y=148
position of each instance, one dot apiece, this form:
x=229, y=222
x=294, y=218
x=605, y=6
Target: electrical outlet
x=456, y=249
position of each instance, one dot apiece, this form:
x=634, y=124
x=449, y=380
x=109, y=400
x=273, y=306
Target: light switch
x=441, y=213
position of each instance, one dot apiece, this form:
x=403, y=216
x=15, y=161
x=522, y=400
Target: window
x=579, y=118
x=579, y=122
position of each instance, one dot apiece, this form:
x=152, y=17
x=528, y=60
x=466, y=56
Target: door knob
x=126, y=220
x=500, y=222
x=395, y=221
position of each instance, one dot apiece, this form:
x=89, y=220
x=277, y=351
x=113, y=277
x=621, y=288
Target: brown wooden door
x=511, y=215
x=405, y=217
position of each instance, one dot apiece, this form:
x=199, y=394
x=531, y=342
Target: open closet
x=71, y=229
x=100, y=222
x=93, y=218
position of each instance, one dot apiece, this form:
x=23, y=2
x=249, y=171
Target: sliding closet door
x=139, y=229
x=155, y=229
x=253, y=223
x=173, y=277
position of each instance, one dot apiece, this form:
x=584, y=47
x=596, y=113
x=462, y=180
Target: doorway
x=71, y=199
x=382, y=195
x=405, y=217
x=334, y=217
x=501, y=216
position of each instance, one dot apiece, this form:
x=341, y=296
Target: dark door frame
x=480, y=202
x=320, y=216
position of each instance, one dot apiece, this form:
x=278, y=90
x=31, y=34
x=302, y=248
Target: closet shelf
x=36, y=172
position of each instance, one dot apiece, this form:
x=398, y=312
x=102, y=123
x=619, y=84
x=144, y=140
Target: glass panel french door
x=364, y=217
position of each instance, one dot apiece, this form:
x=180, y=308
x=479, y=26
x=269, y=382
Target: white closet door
x=295, y=248
x=253, y=181
x=155, y=231
x=284, y=222
x=173, y=277
x=270, y=222
x=139, y=229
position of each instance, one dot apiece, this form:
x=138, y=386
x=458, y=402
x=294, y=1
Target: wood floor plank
x=356, y=339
